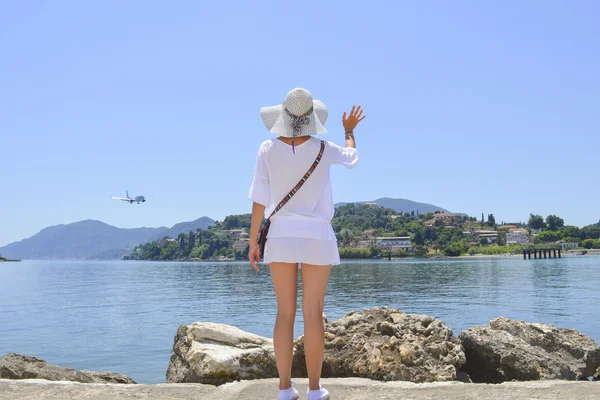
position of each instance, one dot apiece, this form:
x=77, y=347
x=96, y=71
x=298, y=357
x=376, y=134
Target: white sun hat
x=299, y=115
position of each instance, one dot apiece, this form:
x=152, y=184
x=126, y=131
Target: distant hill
x=186, y=227
x=92, y=239
x=594, y=225
x=403, y=205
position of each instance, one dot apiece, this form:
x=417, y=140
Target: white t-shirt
x=309, y=212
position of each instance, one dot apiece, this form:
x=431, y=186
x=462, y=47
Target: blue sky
x=473, y=106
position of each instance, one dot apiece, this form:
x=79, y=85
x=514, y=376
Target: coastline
x=590, y=252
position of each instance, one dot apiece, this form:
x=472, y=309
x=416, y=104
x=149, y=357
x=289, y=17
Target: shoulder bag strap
x=299, y=185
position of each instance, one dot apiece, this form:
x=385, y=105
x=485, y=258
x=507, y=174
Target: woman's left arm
x=258, y=212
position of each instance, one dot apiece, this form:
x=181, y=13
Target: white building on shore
x=517, y=236
x=567, y=245
x=491, y=236
x=241, y=245
x=241, y=233
x=395, y=243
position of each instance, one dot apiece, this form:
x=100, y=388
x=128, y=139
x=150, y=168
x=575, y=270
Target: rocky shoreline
x=389, y=345
x=381, y=345
x=18, y=366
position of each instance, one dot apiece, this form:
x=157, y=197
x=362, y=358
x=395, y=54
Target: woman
x=300, y=231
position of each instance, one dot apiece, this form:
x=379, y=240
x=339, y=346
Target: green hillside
x=357, y=225
x=402, y=205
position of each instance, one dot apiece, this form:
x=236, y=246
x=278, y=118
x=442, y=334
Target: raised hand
x=353, y=119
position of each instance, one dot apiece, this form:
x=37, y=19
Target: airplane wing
x=121, y=198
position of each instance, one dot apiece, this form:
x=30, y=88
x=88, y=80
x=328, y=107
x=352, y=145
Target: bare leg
x=285, y=282
x=314, y=283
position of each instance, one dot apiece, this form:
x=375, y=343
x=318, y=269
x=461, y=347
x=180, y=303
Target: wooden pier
x=541, y=252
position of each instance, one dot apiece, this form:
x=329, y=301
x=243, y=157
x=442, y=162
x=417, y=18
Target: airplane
x=138, y=199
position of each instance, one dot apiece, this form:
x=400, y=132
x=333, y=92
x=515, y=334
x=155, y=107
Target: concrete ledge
x=340, y=388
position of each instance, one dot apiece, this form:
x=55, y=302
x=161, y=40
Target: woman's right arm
x=350, y=123
x=258, y=211
x=260, y=196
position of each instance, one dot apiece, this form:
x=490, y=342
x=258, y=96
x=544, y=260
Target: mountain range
x=90, y=239
x=402, y=205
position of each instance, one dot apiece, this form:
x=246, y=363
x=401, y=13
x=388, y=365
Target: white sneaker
x=288, y=394
x=321, y=394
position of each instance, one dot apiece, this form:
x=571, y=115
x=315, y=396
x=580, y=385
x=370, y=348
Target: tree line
x=353, y=223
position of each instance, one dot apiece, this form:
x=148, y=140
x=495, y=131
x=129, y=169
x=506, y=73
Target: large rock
x=506, y=350
x=387, y=344
x=206, y=352
x=17, y=366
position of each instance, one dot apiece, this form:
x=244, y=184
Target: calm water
x=121, y=316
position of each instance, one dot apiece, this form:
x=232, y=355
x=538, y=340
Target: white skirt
x=302, y=250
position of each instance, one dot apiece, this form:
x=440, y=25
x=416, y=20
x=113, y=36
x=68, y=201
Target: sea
x=122, y=316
